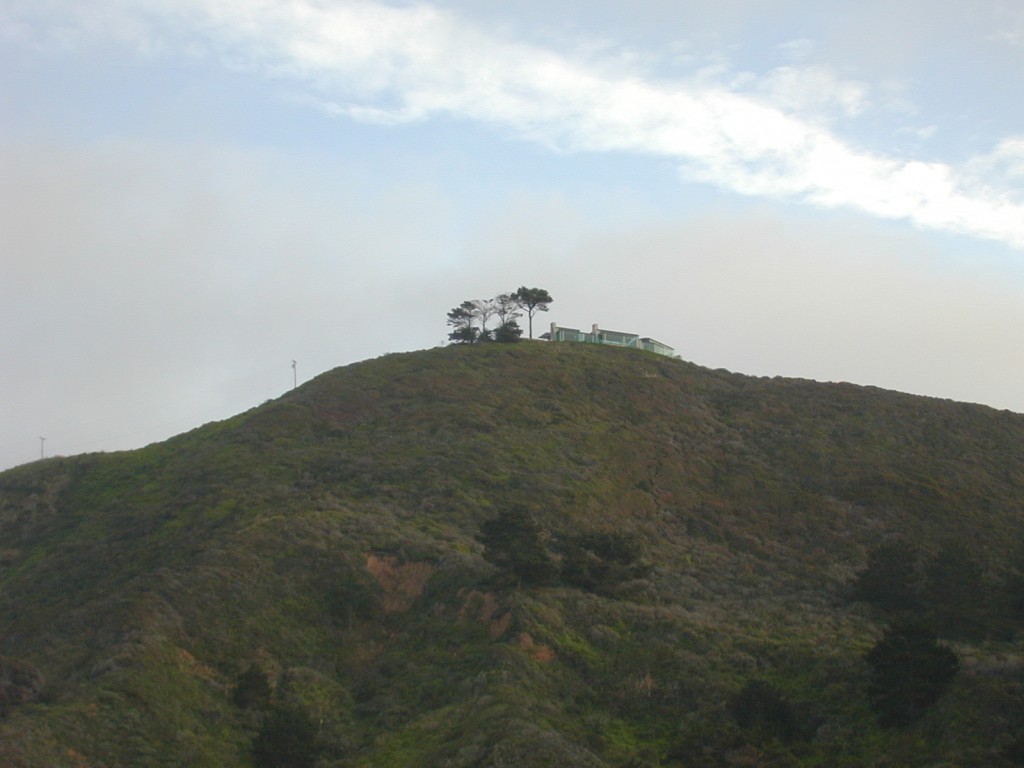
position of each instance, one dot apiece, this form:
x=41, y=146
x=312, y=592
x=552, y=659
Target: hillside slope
x=319, y=558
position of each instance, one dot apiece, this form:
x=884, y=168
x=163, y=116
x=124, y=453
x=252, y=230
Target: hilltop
x=312, y=575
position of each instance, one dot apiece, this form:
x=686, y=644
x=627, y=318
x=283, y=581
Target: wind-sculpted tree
x=484, y=310
x=533, y=300
x=461, y=319
x=470, y=320
x=506, y=308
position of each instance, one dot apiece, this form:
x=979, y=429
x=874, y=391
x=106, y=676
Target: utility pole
x=295, y=375
x=42, y=452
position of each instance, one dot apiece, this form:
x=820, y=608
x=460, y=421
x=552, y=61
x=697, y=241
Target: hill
x=333, y=578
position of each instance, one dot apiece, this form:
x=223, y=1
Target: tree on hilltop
x=506, y=308
x=469, y=321
x=533, y=300
x=461, y=319
x=508, y=333
x=485, y=309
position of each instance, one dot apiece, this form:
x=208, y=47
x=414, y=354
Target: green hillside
x=520, y=555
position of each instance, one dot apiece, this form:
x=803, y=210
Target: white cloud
x=371, y=61
x=1004, y=165
x=919, y=132
x=414, y=63
x=815, y=90
x=798, y=49
x=1011, y=18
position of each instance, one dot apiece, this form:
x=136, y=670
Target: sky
x=196, y=193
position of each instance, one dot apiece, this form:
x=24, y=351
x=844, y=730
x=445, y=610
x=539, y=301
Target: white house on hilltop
x=614, y=338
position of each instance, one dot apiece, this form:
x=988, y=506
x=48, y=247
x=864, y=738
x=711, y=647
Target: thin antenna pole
x=42, y=452
x=295, y=375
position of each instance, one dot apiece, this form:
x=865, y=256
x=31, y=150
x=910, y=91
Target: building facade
x=614, y=338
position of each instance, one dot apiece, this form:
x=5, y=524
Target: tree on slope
x=533, y=300
x=513, y=541
x=287, y=738
x=957, y=594
x=890, y=578
x=909, y=672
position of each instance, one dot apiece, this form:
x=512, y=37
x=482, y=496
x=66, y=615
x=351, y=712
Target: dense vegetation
x=526, y=555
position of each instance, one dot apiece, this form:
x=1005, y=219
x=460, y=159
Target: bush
x=956, y=593
x=513, y=541
x=890, y=580
x=508, y=333
x=354, y=595
x=909, y=672
x=1014, y=752
x=597, y=560
x=759, y=705
x=287, y=739
x=20, y=682
x=252, y=689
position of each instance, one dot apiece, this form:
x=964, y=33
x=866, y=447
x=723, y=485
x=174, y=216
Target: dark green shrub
x=949, y=588
x=287, y=738
x=597, y=560
x=512, y=541
x=957, y=596
x=760, y=706
x=354, y=595
x=252, y=689
x=1014, y=753
x=909, y=672
x=20, y=682
x=890, y=579
x=1008, y=598
x=508, y=333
